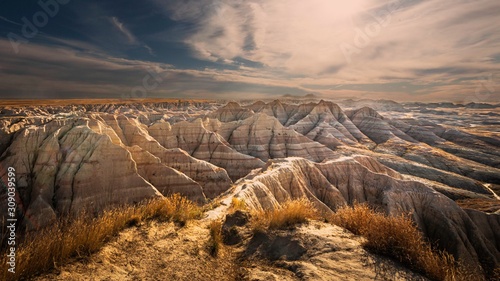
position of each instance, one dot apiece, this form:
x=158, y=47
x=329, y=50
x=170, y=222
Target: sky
x=403, y=50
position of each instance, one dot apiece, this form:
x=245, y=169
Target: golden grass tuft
x=215, y=241
x=83, y=235
x=289, y=214
x=398, y=237
x=238, y=204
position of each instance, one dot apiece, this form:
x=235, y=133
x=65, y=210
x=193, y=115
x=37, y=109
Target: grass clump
x=289, y=214
x=215, y=241
x=80, y=236
x=173, y=208
x=238, y=204
x=398, y=237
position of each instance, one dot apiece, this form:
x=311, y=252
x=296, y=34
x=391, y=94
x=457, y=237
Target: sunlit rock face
x=67, y=168
x=469, y=235
x=414, y=158
x=205, y=145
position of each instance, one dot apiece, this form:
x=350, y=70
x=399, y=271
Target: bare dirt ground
x=164, y=251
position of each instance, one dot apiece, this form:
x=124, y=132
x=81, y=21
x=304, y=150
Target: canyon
x=426, y=160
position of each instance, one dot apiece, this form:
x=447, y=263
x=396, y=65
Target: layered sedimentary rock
x=205, y=145
x=66, y=168
x=373, y=125
x=165, y=179
x=481, y=149
x=264, y=137
x=362, y=179
x=421, y=149
x=231, y=112
x=213, y=179
x=393, y=141
x=326, y=122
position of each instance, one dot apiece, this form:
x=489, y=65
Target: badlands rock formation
x=361, y=179
x=206, y=145
x=405, y=146
x=66, y=167
x=74, y=157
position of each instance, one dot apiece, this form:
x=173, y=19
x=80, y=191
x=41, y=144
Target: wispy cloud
x=130, y=37
x=10, y=21
x=119, y=25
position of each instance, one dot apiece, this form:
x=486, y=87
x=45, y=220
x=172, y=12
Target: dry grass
x=84, y=235
x=238, y=204
x=215, y=241
x=290, y=213
x=398, y=237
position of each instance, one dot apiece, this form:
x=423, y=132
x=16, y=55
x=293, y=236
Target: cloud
x=46, y=71
x=119, y=25
x=423, y=41
x=10, y=21
x=41, y=71
x=130, y=37
x=404, y=50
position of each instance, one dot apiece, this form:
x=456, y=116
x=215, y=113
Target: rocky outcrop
x=231, y=112
x=361, y=179
x=419, y=141
x=373, y=125
x=391, y=140
x=326, y=122
x=165, y=179
x=264, y=137
x=488, y=224
x=291, y=178
x=205, y=145
x=73, y=164
x=213, y=179
x=381, y=105
x=67, y=168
